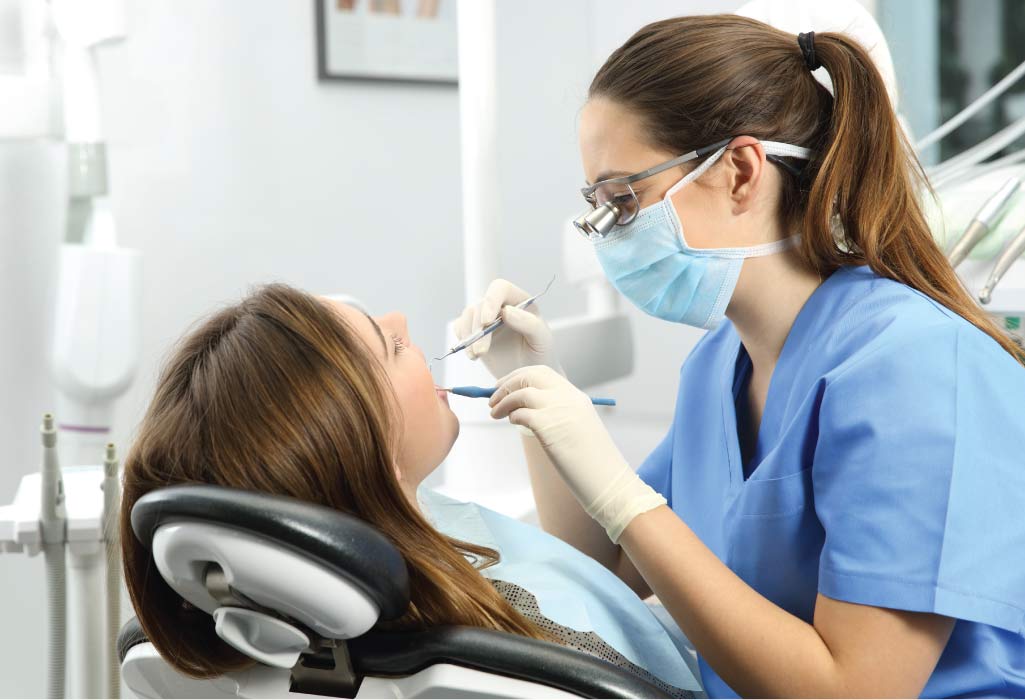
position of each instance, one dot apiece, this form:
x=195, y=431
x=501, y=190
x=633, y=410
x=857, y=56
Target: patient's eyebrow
x=379, y=335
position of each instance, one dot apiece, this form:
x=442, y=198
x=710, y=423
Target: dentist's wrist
x=626, y=497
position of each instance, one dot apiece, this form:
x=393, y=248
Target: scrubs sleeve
x=919, y=481
x=656, y=470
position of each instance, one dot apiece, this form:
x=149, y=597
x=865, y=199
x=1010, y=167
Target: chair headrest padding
x=345, y=545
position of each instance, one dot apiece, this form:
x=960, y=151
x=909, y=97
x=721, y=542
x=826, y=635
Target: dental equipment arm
x=983, y=222
x=1011, y=252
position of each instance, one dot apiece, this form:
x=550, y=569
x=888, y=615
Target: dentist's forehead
x=612, y=141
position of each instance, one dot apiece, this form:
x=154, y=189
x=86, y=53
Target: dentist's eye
x=399, y=345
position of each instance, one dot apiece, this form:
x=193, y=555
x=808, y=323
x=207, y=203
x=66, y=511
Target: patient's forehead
x=358, y=321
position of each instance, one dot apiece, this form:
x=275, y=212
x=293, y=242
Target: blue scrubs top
x=889, y=470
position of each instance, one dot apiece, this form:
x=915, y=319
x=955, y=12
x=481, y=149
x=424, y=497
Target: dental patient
x=295, y=395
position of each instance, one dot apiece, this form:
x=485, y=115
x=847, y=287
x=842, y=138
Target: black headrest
x=131, y=634
x=344, y=544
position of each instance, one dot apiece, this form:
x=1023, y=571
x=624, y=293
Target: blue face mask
x=649, y=262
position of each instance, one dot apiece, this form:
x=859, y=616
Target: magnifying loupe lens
x=622, y=196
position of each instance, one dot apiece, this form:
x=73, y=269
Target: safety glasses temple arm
x=655, y=170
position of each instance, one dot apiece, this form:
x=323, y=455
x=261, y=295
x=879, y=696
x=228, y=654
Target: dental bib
x=571, y=589
x=649, y=261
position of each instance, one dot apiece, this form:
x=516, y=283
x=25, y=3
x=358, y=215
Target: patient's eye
x=399, y=345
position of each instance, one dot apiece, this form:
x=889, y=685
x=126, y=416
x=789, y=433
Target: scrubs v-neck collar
x=735, y=377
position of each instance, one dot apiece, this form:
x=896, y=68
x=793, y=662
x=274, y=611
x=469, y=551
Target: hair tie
x=807, y=43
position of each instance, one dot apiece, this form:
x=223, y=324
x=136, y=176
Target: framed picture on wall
x=397, y=40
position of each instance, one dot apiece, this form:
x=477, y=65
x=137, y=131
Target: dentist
x=837, y=508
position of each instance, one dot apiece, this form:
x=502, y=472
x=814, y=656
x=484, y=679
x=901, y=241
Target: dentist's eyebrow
x=608, y=175
x=379, y=335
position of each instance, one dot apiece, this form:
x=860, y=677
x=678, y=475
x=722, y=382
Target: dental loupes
x=493, y=326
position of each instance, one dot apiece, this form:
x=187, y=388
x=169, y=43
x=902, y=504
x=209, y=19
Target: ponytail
x=698, y=80
x=868, y=181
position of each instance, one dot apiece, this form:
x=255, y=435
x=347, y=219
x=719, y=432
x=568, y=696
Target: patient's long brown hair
x=278, y=394
x=695, y=81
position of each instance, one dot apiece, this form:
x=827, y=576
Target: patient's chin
x=452, y=430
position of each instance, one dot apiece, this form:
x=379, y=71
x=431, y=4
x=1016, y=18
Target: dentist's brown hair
x=278, y=394
x=695, y=81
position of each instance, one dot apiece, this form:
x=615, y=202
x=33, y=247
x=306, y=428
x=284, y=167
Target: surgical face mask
x=649, y=261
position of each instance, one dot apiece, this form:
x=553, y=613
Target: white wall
x=232, y=165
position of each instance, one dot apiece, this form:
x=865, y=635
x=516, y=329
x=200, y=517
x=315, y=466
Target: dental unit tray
x=300, y=588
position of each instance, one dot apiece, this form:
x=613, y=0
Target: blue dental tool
x=493, y=326
x=485, y=392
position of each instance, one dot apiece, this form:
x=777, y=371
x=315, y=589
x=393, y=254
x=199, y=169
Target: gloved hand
x=571, y=433
x=524, y=340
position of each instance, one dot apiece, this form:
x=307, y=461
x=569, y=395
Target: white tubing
x=52, y=523
x=111, y=540
x=958, y=164
x=969, y=111
x=977, y=172
x=53, y=554
x=87, y=667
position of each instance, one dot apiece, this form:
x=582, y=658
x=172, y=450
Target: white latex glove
x=524, y=340
x=574, y=438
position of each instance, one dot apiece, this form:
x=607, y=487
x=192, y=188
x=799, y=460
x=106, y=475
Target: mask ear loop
x=754, y=251
x=696, y=172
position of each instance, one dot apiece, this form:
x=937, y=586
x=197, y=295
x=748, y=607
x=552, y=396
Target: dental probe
x=481, y=392
x=1011, y=252
x=493, y=326
x=983, y=222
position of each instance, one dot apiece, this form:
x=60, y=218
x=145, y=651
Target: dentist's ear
x=745, y=161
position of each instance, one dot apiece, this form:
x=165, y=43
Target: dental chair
x=299, y=588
